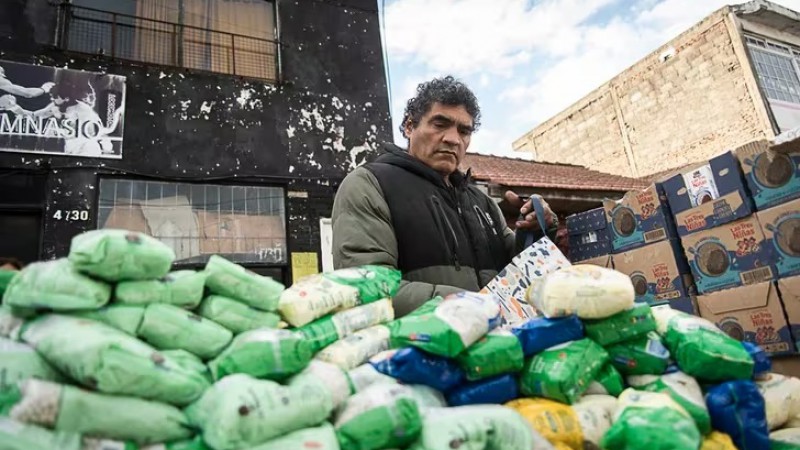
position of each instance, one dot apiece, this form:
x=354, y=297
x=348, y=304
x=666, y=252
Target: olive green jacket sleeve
x=363, y=234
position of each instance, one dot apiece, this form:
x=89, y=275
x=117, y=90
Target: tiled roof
x=517, y=172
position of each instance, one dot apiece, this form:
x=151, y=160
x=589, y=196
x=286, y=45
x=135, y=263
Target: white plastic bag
x=590, y=292
x=357, y=348
x=781, y=398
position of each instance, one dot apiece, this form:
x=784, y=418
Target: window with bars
x=236, y=37
x=777, y=67
x=245, y=224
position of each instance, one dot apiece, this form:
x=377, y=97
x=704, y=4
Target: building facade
x=217, y=126
x=730, y=79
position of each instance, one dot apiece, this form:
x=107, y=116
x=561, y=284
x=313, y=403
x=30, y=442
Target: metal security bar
x=127, y=37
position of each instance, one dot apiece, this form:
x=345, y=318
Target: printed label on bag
x=468, y=319
x=358, y=318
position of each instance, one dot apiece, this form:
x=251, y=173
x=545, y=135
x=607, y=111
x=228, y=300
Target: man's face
x=441, y=137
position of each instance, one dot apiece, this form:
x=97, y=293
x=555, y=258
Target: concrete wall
x=662, y=112
x=304, y=134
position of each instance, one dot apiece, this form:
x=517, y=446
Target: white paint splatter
x=244, y=96
x=336, y=103
x=205, y=108
x=357, y=150
x=184, y=104
x=291, y=169
x=368, y=104
x=162, y=75
x=290, y=131
x=149, y=101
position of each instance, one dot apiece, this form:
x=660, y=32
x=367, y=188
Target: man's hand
x=526, y=210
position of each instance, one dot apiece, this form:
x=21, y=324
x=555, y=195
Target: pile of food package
x=107, y=349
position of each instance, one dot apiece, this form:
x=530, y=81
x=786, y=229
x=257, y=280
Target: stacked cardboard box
x=588, y=237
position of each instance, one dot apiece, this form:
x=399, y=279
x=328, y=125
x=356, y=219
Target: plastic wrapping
x=263, y=353
x=413, y=366
x=327, y=330
x=539, y=334
x=120, y=255
x=737, y=409
x=590, y=292
x=168, y=327
x=495, y=390
x=496, y=353
x=236, y=316
x=382, y=416
x=645, y=355
x=623, y=326
x=183, y=288
x=563, y=372
x=232, y=280
x=55, y=286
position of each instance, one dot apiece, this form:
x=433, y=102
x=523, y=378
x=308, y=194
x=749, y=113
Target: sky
x=526, y=60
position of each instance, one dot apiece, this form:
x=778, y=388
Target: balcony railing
x=127, y=37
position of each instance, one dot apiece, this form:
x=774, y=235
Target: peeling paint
x=205, y=108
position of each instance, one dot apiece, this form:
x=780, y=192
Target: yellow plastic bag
x=555, y=421
x=718, y=441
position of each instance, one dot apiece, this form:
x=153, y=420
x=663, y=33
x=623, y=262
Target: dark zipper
x=440, y=216
x=457, y=203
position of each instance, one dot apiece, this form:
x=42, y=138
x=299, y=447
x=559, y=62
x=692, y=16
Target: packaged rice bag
x=126, y=318
x=427, y=307
x=329, y=329
x=590, y=292
x=427, y=397
x=607, y=382
x=239, y=411
x=454, y=325
x=555, y=421
x=168, y=327
x=737, y=409
x=382, y=416
x=19, y=362
x=541, y=333
x=67, y=408
x=701, y=349
x=263, y=353
x=234, y=281
x=332, y=377
x=110, y=361
x=644, y=355
x=781, y=397
x=189, y=362
x=762, y=365
x=411, y=365
x=595, y=414
x=5, y=278
x=190, y=444
x=478, y=427
x=651, y=421
x=496, y=353
x=623, y=326
x=683, y=389
x=322, y=437
x=16, y=435
x=236, y=316
x=563, y=372
x=317, y=295
x=496, y=390
x=55, y=286
x=183, y=288
x=788, y=438
x=357, y=348
x=10, y=324
x=365, y=376
x=120, y=255
x=794, y=422
x=717, y=441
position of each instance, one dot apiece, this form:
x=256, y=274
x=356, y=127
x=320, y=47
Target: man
x=8, y=86
x=414, y=210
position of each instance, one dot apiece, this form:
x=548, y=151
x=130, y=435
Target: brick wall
x=684, y=109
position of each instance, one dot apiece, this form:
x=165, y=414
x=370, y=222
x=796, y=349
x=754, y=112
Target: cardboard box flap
x=789, y=287
x=738, y=299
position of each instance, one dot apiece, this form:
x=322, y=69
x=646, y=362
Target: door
x=21, y=214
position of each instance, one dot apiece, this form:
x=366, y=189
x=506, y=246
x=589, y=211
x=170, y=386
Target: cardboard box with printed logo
x=781, y=225
x=639, y=218
x=750, y=313
x=789, y=289
x=659, y=271
x=708, y=195
x=588, y=236
x=772, y=169
x=602, y=261
x=731, y=255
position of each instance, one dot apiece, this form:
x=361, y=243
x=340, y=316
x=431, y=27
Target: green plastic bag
x=183, y=288
x=168, y=327
x=57, y=286
x=327, y=330
x=67, y=408
x=192, y=444
x=236, y=316
x=16, y=435
x=318, y=295
x=382, y=416
x=365, y=376
x=108, y=360
x=496, y=353
x=263, y=353
x=122, y=317
x=683, y=389
x=563, y=372
x=322, y=437
x=478, y=427
x=701, y=349
x=651, y=421
x=10, y=323
x=232, y=280
x=189, y=362
x=628, y=324
x=120, y=255
x=607, y=382
x=334, y=378
x=5, y=278
x=19, y=362
x=644, y=355
x=241, y=412
x=452, y=327
x=427, y=307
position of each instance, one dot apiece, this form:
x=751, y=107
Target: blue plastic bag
x=411, y=365
x=737, y=408
x=539, y=334
x=762, y=362
x=496, y=390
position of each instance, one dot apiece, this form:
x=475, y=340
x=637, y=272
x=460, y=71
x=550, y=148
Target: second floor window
x=236, y=37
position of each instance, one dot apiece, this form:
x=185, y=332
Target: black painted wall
x=305, y=133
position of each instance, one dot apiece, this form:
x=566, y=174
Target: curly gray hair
x=447, y=91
